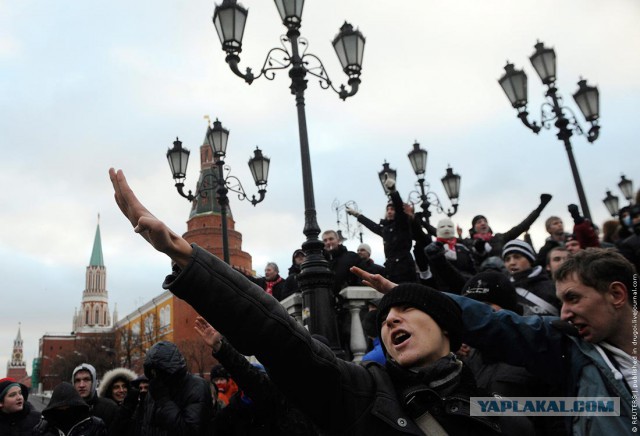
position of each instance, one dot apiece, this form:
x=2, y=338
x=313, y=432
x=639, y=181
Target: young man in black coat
x=422, y=386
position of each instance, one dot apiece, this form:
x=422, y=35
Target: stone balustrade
x=354, y=299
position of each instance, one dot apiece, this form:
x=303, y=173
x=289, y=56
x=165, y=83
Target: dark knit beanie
x=442, y=309
x=476, y=219
x=7, y=383
x=493, y=287
x=521, y=247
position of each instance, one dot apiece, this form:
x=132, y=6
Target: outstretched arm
x=376, y=281
x=161, y=237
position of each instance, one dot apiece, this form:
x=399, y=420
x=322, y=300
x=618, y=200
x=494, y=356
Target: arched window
x=97, y=320
x=86, y=317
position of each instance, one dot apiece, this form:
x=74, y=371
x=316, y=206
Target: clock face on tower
x=17, y=356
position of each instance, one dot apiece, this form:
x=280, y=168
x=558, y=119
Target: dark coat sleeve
x=519, y=229
x=256, y=324
x=253, y=382
x=374, y=227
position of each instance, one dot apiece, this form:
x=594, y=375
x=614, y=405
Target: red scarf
x=451, y=242
x=486, y=237
x=270, y=285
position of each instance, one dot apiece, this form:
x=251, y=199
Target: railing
x=355, y=297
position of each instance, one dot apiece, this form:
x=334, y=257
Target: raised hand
x=376, y=281
x=161, y=237
x=352, y=212
x=209, y=335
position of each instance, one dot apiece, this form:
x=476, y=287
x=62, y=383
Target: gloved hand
x=545, y=199
x=131, y=400
x=575, y=214
x=352, y=212
x=158, y=389
x=390, y=184
x=434, y=250
x=479, y=246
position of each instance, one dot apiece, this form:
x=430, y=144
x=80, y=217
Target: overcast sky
x=89, y=85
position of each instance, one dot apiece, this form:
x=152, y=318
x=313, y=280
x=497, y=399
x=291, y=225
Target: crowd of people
x=482, y=316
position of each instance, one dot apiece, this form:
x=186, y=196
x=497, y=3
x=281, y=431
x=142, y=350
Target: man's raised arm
x=161, y=237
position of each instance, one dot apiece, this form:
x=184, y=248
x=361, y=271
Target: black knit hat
x=7, y=383
x=442, y=309
x=493, y=287
x=520, y=247
x=476, y=219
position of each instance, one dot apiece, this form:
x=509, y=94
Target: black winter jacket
x=19, y=423
x=397, y=239
x=267, y=412
x=340, y=262
x=66, y=402
x=536, y=281
x=340, y=397
x=180, y=404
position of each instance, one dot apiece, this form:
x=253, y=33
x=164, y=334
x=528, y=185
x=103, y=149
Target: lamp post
x=514, y=84
x=450, y=181
x=229, y=19
x=217, y=137
x=611, y=201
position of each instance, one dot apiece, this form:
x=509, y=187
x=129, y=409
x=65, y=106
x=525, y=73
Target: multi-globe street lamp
x=450, y=181
x=352, y=230
x=229, y=19
x=217, y=137
x=514, y=84
x=611, y=201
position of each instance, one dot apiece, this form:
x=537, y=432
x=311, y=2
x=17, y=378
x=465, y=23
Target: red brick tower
x=204, y=226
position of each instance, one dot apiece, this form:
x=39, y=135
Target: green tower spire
x=96, y=254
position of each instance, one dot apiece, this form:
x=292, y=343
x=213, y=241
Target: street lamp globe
x=349, y=46
x=588, y=100
x=451, y=183
x=611, y=202
x=626, y=186
x=259, y=166
x=291, y=12
x=229, y=19
x=418, y=159
x=217, y=137
x=178, y=158
x=514, y=84
x=385, y=174
x=544, y=62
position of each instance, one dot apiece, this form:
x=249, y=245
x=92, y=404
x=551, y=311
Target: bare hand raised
x=376, y=281
x=150, y=228
x=209, y=335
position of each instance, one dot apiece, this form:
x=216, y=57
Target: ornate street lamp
x=387, y=173
x=352, y=229
x=514, y=84
x=217, y=137
x=611, y=201
x=450, y=181
x=229, y=18
x=626, y=186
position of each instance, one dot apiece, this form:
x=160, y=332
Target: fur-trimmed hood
x=111, y=376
